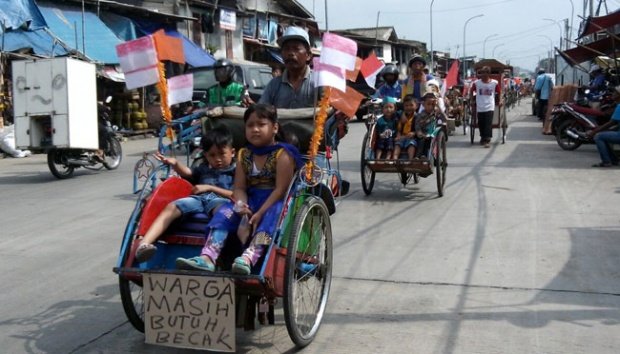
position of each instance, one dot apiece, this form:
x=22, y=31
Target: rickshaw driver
x=295, y=87
x=487, y=92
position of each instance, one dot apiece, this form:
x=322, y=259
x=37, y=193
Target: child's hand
x=171, y=161
x=201, y=188
x=256, y=219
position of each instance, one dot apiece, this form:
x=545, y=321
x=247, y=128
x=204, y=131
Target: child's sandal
x=145, y=251
x=241, y=266
x=195, y=263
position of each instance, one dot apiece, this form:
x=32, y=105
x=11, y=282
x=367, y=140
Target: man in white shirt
x=487, y=93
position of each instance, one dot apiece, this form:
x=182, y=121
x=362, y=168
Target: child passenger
x=405, y=129
x=264, y=171
x=425, y=123
x=213, y=181
x=386, y=130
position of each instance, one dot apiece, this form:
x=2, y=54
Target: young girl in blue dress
x=265, y=169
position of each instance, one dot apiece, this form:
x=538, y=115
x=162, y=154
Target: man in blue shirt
x=544, y=85
x=295, y=88
x=604, y=138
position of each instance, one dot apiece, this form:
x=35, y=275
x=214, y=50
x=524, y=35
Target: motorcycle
x=62, y=162
x=572, y=123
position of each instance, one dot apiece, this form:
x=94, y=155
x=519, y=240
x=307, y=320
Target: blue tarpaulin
x=22, y=14
x=66, y=24
x=41, y=42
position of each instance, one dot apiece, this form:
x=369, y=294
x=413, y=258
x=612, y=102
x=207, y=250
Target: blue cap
x=297, y=33
x=389, y=99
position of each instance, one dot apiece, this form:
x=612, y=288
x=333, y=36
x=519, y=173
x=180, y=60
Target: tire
x=368, y=176
x=308, y=271
x=56, y=159
x=534, y=106
x=405, y=177
x=133, y=302
x=465, y=119
x=131, y=289
x=114, y=154
x=441, y=163
x=565, y=141
x=472, y=128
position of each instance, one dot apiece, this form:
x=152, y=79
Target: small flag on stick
x=371, y=67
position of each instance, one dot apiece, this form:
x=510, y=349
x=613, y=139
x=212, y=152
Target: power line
x=448, y=10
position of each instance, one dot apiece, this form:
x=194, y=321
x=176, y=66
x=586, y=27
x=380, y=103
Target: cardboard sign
x=187, y=311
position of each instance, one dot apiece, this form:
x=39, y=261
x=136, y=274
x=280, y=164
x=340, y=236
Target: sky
x=518, y=31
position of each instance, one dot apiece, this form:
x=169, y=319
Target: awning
x=40, y=41
x=111, y=72
x=585, y=52
x=66, y=24
x=194, y=55
x=597, y=24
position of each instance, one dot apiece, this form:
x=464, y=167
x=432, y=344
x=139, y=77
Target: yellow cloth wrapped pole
x=317, y=136
x=162, y=87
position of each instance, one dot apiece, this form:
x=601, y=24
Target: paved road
x=521, y=255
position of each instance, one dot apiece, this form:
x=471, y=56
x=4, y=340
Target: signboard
x=187, y=311
x=228, y=20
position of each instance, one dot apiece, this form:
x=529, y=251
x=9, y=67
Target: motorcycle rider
x=603, y=138
x=391, y=86
x=226, y=92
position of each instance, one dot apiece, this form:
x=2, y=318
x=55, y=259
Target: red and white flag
x=371, y=67
x=338, y=51
x=138, y=59
x=328, y=75
x=180, y=88
x=452, y=77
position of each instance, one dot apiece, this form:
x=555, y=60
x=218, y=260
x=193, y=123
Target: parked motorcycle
x=63, y=161
x=571, y=123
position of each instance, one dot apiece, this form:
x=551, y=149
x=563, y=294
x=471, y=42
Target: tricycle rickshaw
x=499, y=116
x=297, y=266
x=433, y=161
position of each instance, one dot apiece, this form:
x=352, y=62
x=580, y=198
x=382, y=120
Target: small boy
x=426, y=121
x=386, y=129
x=213, y=181
x=405, y=134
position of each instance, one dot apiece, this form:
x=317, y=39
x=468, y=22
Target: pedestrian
x=487, y=93
x=542, y=88
x=603, y=137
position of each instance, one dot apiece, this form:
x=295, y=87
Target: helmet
x=417, y=58
x=390, y=69
x=224, y=70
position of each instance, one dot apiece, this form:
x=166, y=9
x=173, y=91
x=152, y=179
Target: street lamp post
x=559, y=27
x=497, y=46
x=484, y=44
x=432, y=69
x=550, y=50
x=464, y=32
